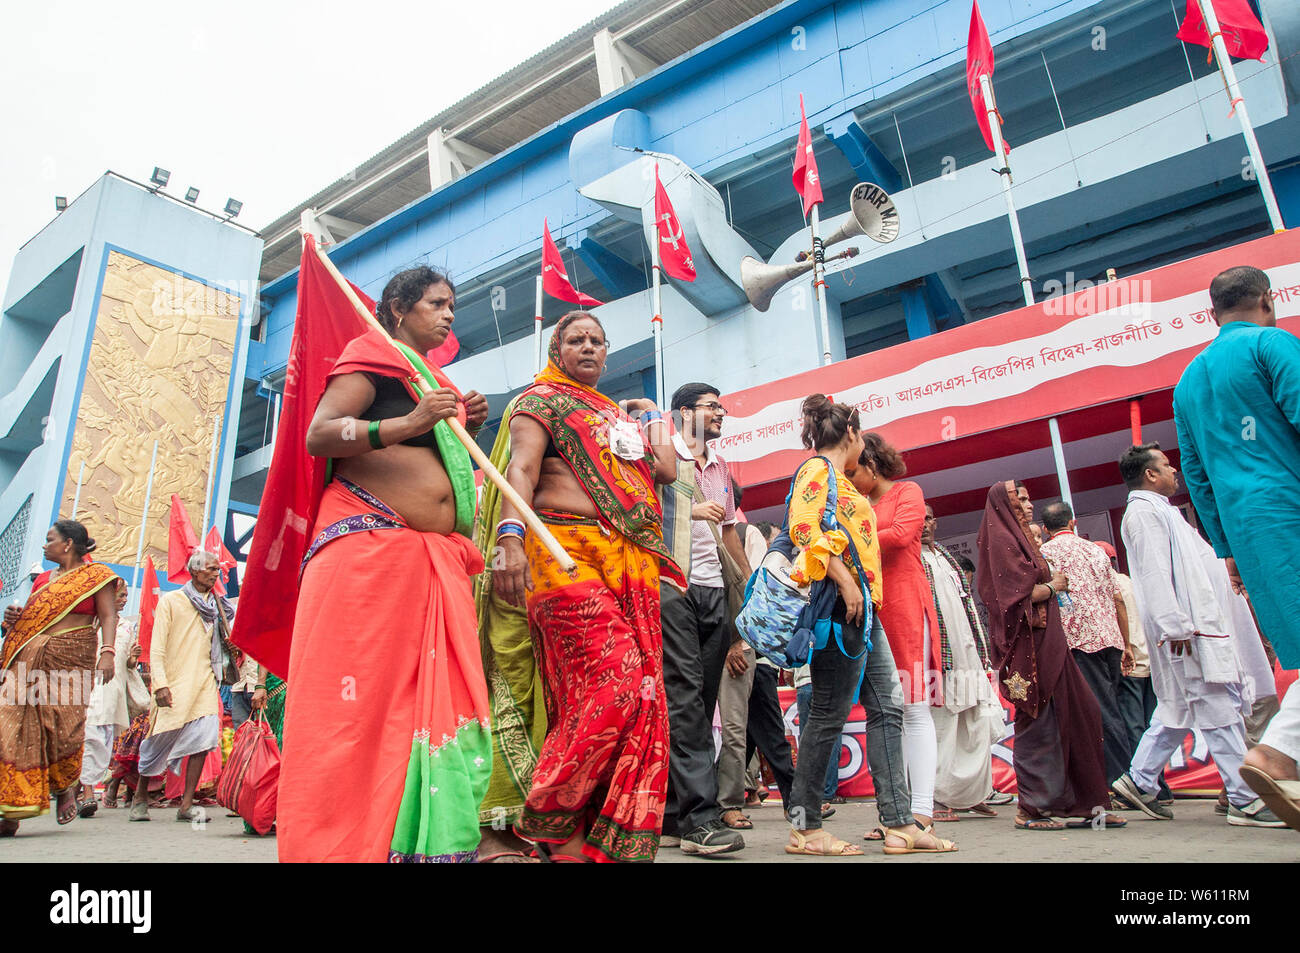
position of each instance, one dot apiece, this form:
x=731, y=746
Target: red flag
x=181, y=542
x=806, y=180
x=148, y=603
x=979, y=62
x=674, y=255
x=446, y=352
x=1243, y=34
x=268, y=597
x=212, y=543
x=555, y=280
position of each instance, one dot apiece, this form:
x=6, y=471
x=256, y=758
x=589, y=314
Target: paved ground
x=1196, y=835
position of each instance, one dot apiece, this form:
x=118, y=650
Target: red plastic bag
x=251, y=777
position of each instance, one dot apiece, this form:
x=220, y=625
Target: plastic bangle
x=108, y=648
x=375, y=441
x=510, y=528
x=259, y=688
x=650, y=416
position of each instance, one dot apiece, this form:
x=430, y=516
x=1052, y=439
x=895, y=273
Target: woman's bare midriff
x=409, y=479
x=558, y=489
x=74, y=621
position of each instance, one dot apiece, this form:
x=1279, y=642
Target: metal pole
x=212, y=466
x=1058, y=453
x=537, y=331
x=819, y=283
x=275, y=422
x=1239, y=107
x=657, y=321
x=76, y=497
x=1004, y=174
x=144, y=520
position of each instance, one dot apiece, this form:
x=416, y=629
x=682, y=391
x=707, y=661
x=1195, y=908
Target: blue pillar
x=1286, y=186
x=867, y=160
x=619, y=278
x=916, y=313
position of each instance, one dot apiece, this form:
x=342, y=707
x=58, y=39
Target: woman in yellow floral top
x=840, y=657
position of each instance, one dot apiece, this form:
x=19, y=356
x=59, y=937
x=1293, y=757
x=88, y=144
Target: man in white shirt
x=1194, y=667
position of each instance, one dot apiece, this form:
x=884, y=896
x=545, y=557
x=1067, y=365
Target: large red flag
x=979, y=62
x=674, y=255
x=806, y=180
x=148, y=605
x=1243, y=34
x=181, y=542
x=446, y=352
x=555, y=280
x=268, y=596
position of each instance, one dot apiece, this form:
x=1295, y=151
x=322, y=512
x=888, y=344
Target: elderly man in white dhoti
x=186, y=661
x=970, y=720
x=1198, y=679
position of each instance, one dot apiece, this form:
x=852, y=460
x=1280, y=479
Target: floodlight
x=191, y=195
x=60, y=203
x=233, y=207
x=160, y=176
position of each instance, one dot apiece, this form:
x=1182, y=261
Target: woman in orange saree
x=601, y=777
x=47, y=670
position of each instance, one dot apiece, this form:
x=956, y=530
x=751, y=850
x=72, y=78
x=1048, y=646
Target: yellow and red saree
x=47, y=672
x=603, y=768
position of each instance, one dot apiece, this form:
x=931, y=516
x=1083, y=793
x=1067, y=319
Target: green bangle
x=257, y=687
x=375, y=440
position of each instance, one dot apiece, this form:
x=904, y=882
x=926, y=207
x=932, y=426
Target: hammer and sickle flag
x=674, y=254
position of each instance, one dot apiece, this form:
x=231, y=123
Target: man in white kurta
x=1194, y=666
x=185, y=660
x=970, y=720
x=108, y=713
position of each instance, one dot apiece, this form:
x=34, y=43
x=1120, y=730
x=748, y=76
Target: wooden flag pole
x=537, y=331
x=492, y=473
x=144, y=525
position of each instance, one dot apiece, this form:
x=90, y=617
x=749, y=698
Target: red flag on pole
x=806, y=180
x=148, y=604
x=674, y=255
x=325, y=323
x=555, y=280
x=1243, y=34
x=181, y=542
x=212, y=543
x=446, y=352
x=979, y=62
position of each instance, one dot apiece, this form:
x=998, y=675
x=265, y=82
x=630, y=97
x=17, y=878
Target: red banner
x=979, y=62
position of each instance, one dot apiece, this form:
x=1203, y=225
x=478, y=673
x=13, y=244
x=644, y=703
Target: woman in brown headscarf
x=1058, y=742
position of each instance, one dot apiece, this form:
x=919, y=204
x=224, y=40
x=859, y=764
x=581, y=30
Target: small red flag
x=674, y=255
x=555, y=280
x=1243, y=34
x=148, y=605
x=979, y=62
x=806, y=180
x=212, y=543
x=181, y=542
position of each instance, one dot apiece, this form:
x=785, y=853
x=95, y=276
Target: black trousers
x=1137, y=703
x=695, y=649
x=765, y=731
x=1101, y=670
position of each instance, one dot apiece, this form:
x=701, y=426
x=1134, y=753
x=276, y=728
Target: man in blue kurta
x=1237, y=409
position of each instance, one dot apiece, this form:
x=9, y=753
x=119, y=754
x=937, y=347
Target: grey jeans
x=882, y=697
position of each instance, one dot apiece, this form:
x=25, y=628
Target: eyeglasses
x=712, y=407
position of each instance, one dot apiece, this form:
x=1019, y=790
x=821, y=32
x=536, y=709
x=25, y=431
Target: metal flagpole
x=144, y=522
x=1239, y=107
x=1058, y=454
x=207, y=496
x=537, y=330
x=76, y=497
x=657, y=322
x=819, y=283
x=1005, y=175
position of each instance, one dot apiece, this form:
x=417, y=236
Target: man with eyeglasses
x=696, y=628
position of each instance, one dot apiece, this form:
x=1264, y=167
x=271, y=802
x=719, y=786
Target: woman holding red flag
x=589, y=472
x=389, y=700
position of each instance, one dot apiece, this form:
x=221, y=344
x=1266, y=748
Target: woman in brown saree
x=46, y=673
x=1057, y=754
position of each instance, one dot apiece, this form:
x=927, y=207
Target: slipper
x=982, y=810
x=738, y=822
x=1108, y=821
x=832, y=847
x=944, y=815
x=69, y=814
x=87, y=808
x=193, y=814
x=547, y=856
x=999, y=798
x=827, y=810
x=945, y=846
x=877, y=833
x=1039, y=824
x=1282, y=797
x=497, y=857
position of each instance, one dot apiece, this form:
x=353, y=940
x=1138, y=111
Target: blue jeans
x=241, y=707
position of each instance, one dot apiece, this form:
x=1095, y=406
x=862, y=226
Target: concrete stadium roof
x=534, y=95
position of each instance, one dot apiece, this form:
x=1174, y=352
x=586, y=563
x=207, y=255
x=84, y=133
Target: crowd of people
x=480, y=700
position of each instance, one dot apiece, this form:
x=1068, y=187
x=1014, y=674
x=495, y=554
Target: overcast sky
x=267, y=101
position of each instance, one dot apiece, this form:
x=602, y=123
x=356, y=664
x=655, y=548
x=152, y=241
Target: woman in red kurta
x=908, y=612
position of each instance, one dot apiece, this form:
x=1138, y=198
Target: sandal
x=515, y=857
x=738, y=821
x=1280, y=795
x=827, y=810
x=820, y=844
x=944, y=815
x=1103, y=821
x=982, y=810
x=69, y=814
x=945, y=846
x=547, y=855
x=876, y=833
x=1038, y=824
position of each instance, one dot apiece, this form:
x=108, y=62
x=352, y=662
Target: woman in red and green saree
x=589, y=471
x=387, y=752
x=47, y=666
